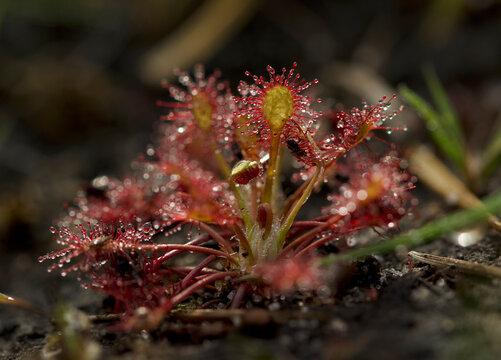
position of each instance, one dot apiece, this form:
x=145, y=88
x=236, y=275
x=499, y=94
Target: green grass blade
x=458, y=220
x=491, y=158
x=448, y=117
x=441, y=136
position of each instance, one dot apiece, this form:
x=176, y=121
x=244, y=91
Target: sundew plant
x=215, y=176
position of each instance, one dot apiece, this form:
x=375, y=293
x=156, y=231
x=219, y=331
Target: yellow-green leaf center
x=278, y=107
x=202, y=111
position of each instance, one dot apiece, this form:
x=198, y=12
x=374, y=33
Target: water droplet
x=343, y=211
x=100, y=182
x=146, y=227
x=351, y=242
x=362, y=195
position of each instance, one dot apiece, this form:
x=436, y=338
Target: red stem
x=187, y=269
x=307, y=224
x=160, y=260
x=216, y=236
x=239, y=296
x=313, y=245
x=244, y=242
x=185, y=247
x=177, y=299
x=196, y=270
x=312, y=233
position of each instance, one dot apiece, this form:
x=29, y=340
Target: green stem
x=458, y=220
x=241, y=204
x=298, y=205
x=254, y=194
x=226, y=172
x=293, y=198
x=271, y=174
x=221, y=162
x=276, y=179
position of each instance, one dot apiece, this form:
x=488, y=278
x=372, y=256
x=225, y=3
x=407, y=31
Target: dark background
x=79, y=80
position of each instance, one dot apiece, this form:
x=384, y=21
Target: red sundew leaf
x=354, y=127
x=197, y=193
x=202, y=105
x=105, y=257
x=252, y=106
x=377, y=194
x=131, y=280
x=136, y=198
x=109, y=258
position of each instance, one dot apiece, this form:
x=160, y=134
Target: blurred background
x=79, y=79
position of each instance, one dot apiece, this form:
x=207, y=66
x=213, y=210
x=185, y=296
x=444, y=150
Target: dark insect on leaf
x=293, y=146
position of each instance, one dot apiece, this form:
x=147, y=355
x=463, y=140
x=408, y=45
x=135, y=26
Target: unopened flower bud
x=265, y=216
x=244, y=171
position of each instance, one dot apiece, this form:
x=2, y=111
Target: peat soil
x=382, y=310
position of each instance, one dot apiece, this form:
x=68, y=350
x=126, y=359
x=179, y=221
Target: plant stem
x=196, y=270
x=244, y=242
x=254, y=194
x=307, y=224
x=312, y=233
x=271, y=171
x=216, y=236
x=276, y=180
x=293, y=198
x=177, y=299
x=182, y=247
x=305, y=248
x=239, y=296
x=226, y=172
x=161, y=259
x=221, y=162
x=298, y=205
x=187, y=269
x=241, y=205
x=427, y=233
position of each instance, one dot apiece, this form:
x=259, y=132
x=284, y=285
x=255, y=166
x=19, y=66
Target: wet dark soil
x=384, y=310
